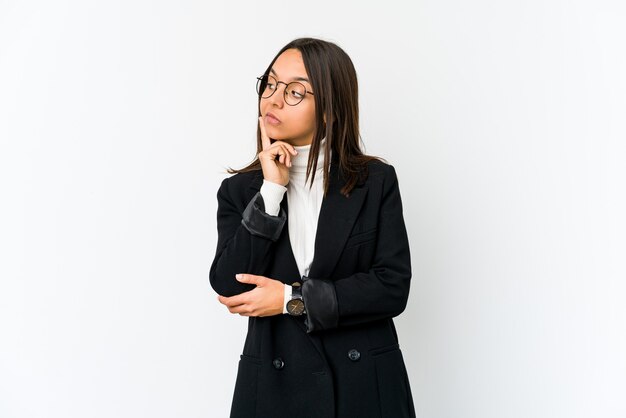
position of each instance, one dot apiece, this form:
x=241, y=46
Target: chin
x=277, y=134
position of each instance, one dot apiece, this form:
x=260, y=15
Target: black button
x=354, y=355
x=278, y=363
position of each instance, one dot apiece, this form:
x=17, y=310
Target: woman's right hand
x=275, y=170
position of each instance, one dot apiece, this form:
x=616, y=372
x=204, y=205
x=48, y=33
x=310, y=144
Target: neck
x=300, y=160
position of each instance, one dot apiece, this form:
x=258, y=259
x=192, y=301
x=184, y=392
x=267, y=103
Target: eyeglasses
x=294, y=92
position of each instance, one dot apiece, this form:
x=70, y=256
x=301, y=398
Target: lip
x=271, y=118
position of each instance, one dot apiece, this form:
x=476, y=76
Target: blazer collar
x=336, y=219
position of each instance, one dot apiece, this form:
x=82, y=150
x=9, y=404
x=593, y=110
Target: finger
x=243, y=309
x=278, y=152
x=273, y=153
x=250, y=278
x=285, y=156
x=233, y=300
x=265, y=140
x=289, y=147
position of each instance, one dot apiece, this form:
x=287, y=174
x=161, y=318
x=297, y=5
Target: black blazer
x=341, y=359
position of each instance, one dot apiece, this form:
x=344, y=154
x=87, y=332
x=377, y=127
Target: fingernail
x=238, y=276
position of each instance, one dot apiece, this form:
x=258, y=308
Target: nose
x=278, y=98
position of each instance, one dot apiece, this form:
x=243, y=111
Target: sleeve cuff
x=320, y=300
x=287, y=297
x=272, y=196
x=260, y=223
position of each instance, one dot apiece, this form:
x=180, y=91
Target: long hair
x=334, y=82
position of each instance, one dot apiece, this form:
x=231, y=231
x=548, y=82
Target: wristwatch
x=295, y=305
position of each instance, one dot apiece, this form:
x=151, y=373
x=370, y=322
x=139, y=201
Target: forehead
x=289, y=66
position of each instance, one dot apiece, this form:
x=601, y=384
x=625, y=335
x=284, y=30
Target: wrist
x=286, y=297
x=295, y=305
x=272, y=194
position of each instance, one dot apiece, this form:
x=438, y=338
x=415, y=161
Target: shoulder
x=239, y=182
x=381, y=171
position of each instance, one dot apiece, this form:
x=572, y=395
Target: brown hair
x=334, y=82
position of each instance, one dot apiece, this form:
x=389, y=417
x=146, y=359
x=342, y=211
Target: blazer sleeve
x=245, y=241
x=382, y=291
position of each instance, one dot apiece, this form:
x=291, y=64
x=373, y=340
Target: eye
x=296, y=94
x=296, y=90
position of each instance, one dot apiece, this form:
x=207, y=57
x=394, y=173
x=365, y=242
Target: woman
x=321, y=292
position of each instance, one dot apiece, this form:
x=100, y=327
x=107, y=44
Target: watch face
x=295, y=307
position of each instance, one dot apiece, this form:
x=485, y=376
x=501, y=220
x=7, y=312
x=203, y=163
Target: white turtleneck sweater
x=304, y=207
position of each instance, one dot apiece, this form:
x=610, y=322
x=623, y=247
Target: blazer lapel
x=336, y=219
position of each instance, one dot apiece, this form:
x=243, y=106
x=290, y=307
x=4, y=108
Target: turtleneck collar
x=300, y=160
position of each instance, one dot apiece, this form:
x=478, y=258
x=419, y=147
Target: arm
x=244, y=240
x=383, y=291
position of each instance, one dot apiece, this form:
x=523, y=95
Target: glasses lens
x=265, y=86
x=294, y=93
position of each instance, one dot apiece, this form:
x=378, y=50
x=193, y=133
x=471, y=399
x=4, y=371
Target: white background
x=505, y=121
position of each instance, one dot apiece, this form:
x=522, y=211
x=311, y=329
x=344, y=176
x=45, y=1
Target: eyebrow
x=293, y=79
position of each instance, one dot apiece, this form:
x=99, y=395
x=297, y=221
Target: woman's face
x=294, y=124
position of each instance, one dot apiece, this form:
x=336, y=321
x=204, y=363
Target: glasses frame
x=260, y=81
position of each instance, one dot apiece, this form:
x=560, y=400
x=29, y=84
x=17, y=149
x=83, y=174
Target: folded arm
x=245, y=240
